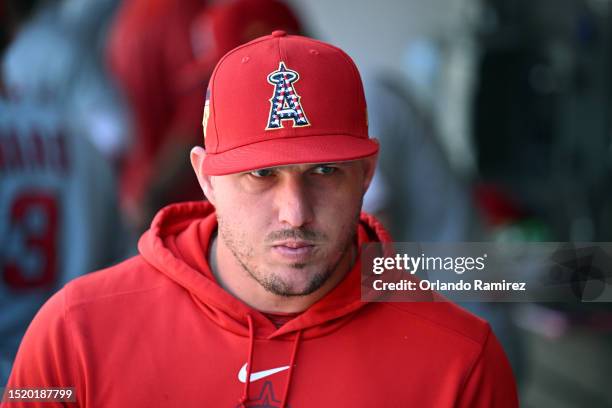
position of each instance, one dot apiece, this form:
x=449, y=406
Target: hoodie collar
x=178, y=244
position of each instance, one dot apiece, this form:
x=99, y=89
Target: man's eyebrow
x=258, y=169
x=310, y=166
x=317, y=165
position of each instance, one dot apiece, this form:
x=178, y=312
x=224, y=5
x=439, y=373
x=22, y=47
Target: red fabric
x=497, y=206
x=149, y=45
x=278, y=319
x=225, y=26
x=326, y=85
x=157, y=330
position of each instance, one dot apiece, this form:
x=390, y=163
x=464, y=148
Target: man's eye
x=325, y=170
x=261, y=173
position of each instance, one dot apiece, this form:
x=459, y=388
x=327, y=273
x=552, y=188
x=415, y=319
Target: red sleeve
x=490, y=383
x=45, y=356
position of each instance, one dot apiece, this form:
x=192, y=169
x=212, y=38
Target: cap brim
x=295, y=150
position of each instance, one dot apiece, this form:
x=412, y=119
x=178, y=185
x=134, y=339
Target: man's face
x=289, y=227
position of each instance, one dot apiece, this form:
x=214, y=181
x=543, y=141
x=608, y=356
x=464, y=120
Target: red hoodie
x=157, y=330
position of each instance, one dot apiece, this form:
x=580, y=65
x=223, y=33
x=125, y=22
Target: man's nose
x=294, y=202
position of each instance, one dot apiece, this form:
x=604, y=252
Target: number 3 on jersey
x=30, y=250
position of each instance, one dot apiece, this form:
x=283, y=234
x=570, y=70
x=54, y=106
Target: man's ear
x=197, y=156
x=369, y=166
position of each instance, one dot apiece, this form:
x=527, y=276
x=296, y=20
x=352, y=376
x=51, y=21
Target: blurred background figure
x=163, y=53
x=149, y=43
x=59, y=130
x=421, y=198
x=425, y=200
x=58, y=54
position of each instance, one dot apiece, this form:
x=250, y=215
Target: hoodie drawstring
x=298, y=336
x=245, y=394
x=247, y=382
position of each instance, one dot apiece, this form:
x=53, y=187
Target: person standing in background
x=58, y=210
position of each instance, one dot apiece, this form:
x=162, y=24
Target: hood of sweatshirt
x=178, y=244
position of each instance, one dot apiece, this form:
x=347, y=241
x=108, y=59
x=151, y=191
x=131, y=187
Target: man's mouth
x=294, y=244
x=296, y=250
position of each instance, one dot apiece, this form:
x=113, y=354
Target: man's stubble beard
x=273, y=283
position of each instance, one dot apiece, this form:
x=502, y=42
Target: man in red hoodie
x=255, y=302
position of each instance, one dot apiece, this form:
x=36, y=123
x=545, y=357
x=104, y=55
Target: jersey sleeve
x=490, y=382
x=45, y=357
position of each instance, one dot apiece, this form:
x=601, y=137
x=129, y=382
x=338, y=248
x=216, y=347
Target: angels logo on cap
x=285, y=102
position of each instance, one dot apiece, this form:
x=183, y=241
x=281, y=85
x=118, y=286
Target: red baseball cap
x=284, y=99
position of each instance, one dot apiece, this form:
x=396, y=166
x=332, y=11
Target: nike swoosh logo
x=242, y=374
